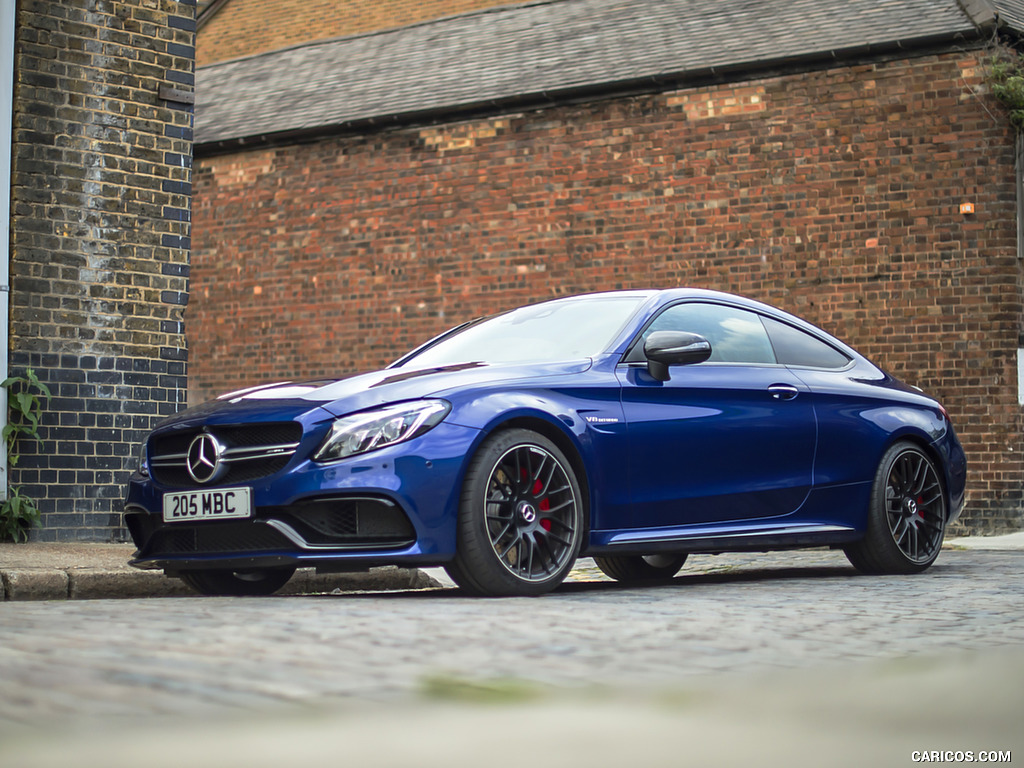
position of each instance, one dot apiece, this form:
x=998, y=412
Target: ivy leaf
x=19, y=512
x=1006, y=77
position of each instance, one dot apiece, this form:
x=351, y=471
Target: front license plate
x=222, y=504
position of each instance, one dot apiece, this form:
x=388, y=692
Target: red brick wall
x=246, y=27
x=833, y=194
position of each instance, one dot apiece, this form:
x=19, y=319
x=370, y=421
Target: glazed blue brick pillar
x=101, y=209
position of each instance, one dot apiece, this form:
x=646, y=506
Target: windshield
x=566, y=329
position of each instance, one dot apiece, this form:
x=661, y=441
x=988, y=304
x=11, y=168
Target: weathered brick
x=89, y=165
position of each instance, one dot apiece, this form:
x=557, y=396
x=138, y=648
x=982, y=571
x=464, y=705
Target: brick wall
x=246, y=27
x=834, y=194
x=101, y=199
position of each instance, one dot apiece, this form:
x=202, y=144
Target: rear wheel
x=254, y=581
x=907, y=516
x=520, y=519
x=631, y=568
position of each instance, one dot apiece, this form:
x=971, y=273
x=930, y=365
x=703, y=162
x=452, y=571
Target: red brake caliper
x=544, y=506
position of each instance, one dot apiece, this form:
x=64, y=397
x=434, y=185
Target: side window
x=736, y=336
x=794, y=347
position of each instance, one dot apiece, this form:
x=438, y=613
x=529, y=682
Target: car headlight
x=143, y=464
x=370, y=430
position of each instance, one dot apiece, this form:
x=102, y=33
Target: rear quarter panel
x=859, y=415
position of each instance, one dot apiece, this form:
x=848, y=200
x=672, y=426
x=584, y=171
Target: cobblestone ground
x=730, y=614
x=96, y=667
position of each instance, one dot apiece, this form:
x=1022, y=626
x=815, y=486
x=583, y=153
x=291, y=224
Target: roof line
x=607, y=90
x=209, y=12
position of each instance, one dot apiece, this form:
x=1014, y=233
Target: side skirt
x=706, y=539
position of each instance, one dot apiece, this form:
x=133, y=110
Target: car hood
x=367, y=390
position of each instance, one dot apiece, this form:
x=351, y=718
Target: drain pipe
x=8, y=15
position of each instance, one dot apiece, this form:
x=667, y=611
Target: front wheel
x=632, y=568
x=520, y=519
x=249, y=582
x=906, y=517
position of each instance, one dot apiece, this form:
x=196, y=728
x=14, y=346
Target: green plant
x=25, y=396
x=1006, y=78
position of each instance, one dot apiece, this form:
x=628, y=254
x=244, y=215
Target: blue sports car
x=634, y=427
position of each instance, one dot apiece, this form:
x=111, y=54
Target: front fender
x=592, y=427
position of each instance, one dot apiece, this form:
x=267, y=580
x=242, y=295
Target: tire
x=906, y=517
x=520, y=523
x=263, y=581
x=634, y=568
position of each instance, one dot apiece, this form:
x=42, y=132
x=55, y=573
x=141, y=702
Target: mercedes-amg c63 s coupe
x=634, y=427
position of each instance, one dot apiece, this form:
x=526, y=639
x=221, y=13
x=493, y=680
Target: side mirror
x=665, y=348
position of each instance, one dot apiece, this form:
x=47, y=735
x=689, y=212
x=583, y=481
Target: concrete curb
x=88, y=571
x=96, y=584
x=1001, y=543
x=74, y=571
x=85, y=583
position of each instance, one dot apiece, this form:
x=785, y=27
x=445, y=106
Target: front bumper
x=394, y=506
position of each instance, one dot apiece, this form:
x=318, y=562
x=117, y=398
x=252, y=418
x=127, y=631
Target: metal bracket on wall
x=179, y=95
x=1019, y=168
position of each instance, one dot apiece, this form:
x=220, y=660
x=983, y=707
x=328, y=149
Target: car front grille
x=342, y=523
x=217, y=538
x=252, y=451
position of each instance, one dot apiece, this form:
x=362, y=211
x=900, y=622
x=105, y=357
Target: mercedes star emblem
x=204, y=455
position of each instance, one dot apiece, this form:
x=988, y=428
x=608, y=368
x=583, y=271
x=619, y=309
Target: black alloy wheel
x=250, y=582
x=633, y=568
x=521, y=517
x=907, y=516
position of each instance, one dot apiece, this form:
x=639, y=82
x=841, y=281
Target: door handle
x=783, y=391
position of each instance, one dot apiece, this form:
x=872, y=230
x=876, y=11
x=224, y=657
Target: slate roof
x=535, y=50
x=1011, y=12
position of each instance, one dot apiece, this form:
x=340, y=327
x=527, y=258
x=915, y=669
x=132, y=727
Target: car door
x=730, y=439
